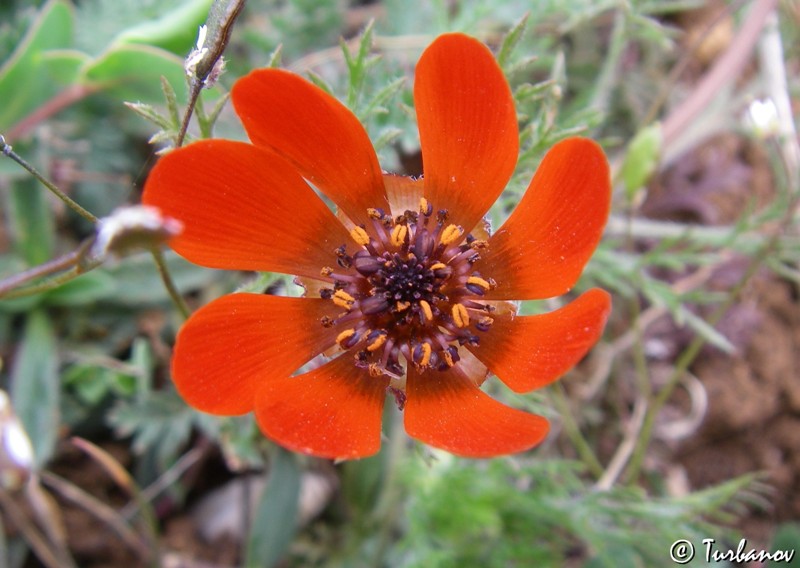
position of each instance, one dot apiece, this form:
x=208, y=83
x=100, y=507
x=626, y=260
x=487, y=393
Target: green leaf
x=63, y=65
x=174, y=31
x=24, y=81
x=511, y=40
x=31, y=222
x=707, y=331
x=138, y=281
x=84, y=290
x=641, y=159
x=276, y=515
x=35, y=387
x=133, y=73
x=158, y=421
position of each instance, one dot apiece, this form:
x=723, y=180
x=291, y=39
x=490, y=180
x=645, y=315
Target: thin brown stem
x=724, y=70
x=59, y=102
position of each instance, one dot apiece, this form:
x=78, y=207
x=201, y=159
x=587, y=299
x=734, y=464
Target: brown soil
x=752, y=419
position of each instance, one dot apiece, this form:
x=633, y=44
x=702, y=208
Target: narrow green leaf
x=702, y=327
x=641, y=159
x=276, y=515
x=151, y=114
x=510, y=41
x=35, y=388
x=172, y=102
x=84, y=290
x=31, y=222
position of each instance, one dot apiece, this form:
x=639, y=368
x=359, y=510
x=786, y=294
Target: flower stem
x=169, y=283
x=573, y=431
x=8, y=151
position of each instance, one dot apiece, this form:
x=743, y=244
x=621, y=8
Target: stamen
x=343, y=299
x=347, y=338
x=422, y=354
x=451, y=234
x=376, y=339
x=425, y=207
x=373, y=305
x=360, y=236
x=366, y=264
x=478, y=285
x=426, y=310
x=326, y=271
x=402, y=306
x=399, y=234
x=484, y=323
x=460, y=315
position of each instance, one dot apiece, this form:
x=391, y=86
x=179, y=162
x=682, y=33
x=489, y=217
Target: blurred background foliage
x=85, y=359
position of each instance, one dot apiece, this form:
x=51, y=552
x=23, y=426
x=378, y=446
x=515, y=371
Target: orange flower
x=405, y=286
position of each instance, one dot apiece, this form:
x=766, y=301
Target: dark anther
x=373, y=305
x=475, y=289
x=469, y=340
x=326, y=321
x=366, y=264
x=484, y=324
x=441, y=216
x=470, y=239
x=326, y=293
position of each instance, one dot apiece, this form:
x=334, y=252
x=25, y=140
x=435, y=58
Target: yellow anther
x=426, y=354
x=448, y=358
x=403, y=306
x=377, y=343
x=343, y=299
x=326, y=271
x=426, y=309
x=479, y=244
x=423, y=205
x=399, y=234
x=460, y=315
x=360, y=236
x=375, y=370
x=373, y=213
x=438, y=266
x=480, y=282
x=344, y=336
x=451, y=234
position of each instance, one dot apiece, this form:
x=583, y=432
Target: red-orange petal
x=332, y=412
x=446, y=410
x=403, y=193
x=243, y=208
x=230, y=348
x=540, y=251
x=467, y=127
x=529, y=352
x=316, y=133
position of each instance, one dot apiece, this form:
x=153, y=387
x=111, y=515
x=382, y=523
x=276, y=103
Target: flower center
x=409, y=292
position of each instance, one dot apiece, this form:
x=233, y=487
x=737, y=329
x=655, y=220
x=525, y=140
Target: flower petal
x=243, y=208
x=447, y=410
x=529, y=352
x=467, y=127
x=403, y=192
x=316, y=133
x=229, y=348
x=540, y=251
x=333, y=411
